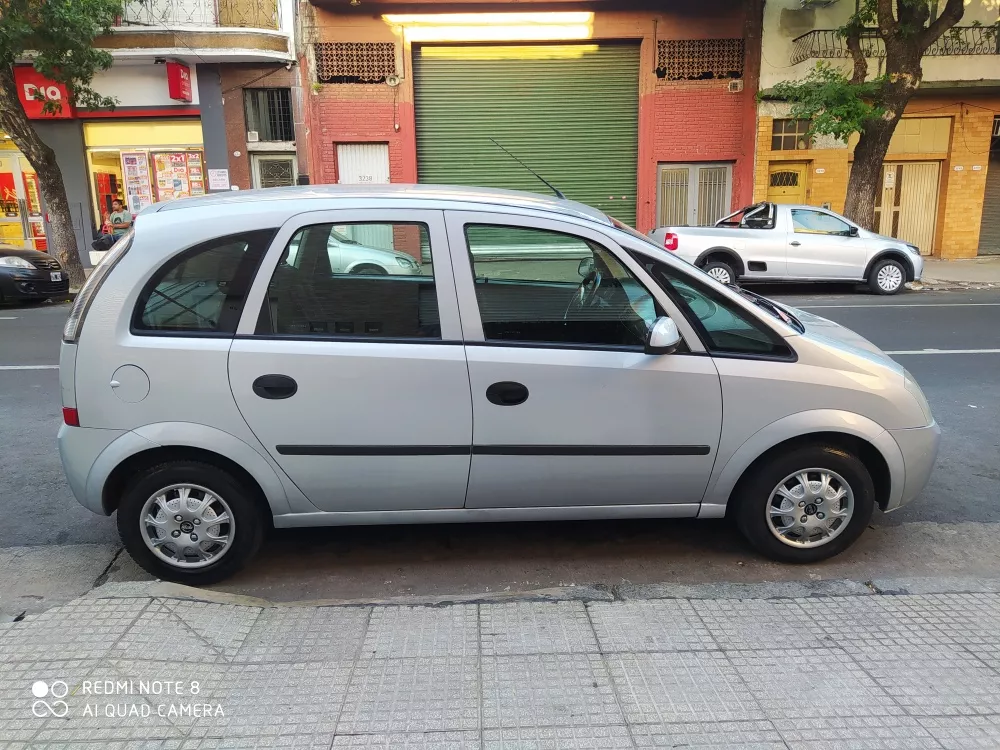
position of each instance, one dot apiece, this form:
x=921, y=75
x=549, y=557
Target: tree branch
x=952, y=14
x=887, y=24
x=853, y=40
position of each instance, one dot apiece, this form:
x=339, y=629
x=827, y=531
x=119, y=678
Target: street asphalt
x=950, y=530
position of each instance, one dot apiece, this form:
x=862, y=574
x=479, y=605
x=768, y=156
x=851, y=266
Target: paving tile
x=23, y=714
x=305, y=634
x=266, y=700
x=82, y=629
x=827, y=681
x=681, y=686
x=407, y=740
x=710, y=735
x=855, y=733
x=964, y=732
x=161, y=635
x=536, y=690
x=401, y=632
x=412, y=695
x=223, y=626
x=755, y=624
x=932, y=679
x=536, y=628
x=557, y=738
x=659, y=625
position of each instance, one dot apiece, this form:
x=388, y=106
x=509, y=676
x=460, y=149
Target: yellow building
x=938, y=189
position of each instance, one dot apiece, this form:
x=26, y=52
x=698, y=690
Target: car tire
x=720, y=271
x=887, y=277
x=759, y=519
x=245, y=533
x=370, y=270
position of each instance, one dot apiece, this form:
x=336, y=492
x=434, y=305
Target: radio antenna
x=548, y=184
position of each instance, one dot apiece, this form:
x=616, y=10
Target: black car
x=30, y=275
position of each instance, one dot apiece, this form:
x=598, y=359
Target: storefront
x=21, y=216
x=142, y=162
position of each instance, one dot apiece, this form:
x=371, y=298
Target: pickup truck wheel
x=720, y=271
x=887, y=277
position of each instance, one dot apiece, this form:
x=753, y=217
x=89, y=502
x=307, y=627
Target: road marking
x=920, y=304
x=946, y=351
x=29, y=367
x=5, y=318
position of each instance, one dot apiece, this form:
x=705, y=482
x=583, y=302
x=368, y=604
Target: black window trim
x=249, y=267
x=699, y=327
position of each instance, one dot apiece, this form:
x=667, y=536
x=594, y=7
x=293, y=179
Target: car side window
x=203, y=289
x=723, y=326
x=358, y=280
x=540, y=286
x=817, y=222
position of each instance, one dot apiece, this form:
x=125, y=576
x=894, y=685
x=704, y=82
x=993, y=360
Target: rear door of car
x=568, y=410
x=358, y=385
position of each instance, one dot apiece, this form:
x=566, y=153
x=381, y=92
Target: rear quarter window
x=202, y=290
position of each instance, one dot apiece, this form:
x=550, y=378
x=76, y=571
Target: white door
x=821, y=246
x=357, y=385
x=365, y=164
x=693, y=194
x=568, y=410
x=274, y=170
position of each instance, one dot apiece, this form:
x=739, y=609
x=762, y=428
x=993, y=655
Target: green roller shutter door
x=570, y=112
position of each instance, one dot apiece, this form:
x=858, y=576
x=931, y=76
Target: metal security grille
x=254, y=14
x=697, y=59
x=276, y=172
x=906, y=205
x=569, y=111
x=783, y=179
x=355, y=62
x=790, y=135
x=673, y=197
x=269, y=112
x=693, y=194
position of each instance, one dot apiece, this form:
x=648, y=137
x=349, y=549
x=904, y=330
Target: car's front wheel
x=806, y=505
x=190, y=522
x=887, y=277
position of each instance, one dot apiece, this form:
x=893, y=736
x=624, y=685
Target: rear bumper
x=919, y=447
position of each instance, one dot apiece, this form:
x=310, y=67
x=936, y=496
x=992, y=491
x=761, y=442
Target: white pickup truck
x=773, y=242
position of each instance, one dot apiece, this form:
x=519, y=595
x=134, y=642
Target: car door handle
x=275, y=386
x=794, y=243
x=507, y=393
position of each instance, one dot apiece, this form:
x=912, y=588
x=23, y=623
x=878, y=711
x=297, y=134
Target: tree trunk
x=15, y=123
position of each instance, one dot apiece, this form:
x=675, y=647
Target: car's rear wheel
x=887, y=277
x=721, y=271
x=370, y=270
x=190, y=522
x=806, y=505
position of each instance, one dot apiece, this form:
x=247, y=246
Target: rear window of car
x=202, y=290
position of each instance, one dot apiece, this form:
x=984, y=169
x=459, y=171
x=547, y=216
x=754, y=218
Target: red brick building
x=647, y=113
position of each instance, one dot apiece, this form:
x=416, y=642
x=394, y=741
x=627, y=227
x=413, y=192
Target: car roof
x=237, y=200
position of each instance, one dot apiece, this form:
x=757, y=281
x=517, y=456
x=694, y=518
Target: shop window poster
x=179, y=174
x=138, y=188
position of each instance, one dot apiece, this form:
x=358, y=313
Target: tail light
x=71, y=417
x=670, y=241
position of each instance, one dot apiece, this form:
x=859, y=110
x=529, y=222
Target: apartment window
x=269, y=113
x=355, y=62
x=790, y=135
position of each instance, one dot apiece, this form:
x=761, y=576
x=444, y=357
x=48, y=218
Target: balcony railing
x=254, y=14
x=826, y=44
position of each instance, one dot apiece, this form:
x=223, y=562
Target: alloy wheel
x=810, y=508
x=721, y=275
x=187, y=526
x=889, y=278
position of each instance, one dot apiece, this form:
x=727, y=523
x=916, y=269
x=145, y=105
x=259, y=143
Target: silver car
x=772, y=242
x=545, y=363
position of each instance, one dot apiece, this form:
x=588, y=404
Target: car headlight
x=914, y=390
x=13, y=261
x=406, y=262
x=913, y=249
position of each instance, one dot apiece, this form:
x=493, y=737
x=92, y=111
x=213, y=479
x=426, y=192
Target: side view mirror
x=585, y=267
x=663, y=338
x=852, y=232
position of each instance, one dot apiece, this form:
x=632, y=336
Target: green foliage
x=833, y=104
x=57, y=37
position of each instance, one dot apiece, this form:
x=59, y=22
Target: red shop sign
x=179, y=81
x=34, y=89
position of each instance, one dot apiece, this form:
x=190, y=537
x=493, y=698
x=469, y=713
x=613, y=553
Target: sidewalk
x=146, y=665
x=973, y=273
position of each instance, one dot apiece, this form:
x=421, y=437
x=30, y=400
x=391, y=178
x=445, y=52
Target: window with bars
x=790, y=135
x=269, y=112
x=355, y=62
x=699, y=59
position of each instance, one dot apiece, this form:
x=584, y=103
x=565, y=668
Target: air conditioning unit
x=736, y=86
x=252, y=136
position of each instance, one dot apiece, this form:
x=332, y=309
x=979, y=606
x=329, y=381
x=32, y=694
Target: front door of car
x=357, y=385
x=567, y=408
x=822, y=246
